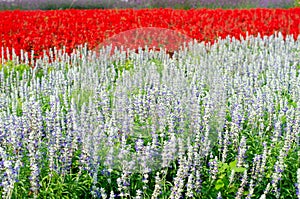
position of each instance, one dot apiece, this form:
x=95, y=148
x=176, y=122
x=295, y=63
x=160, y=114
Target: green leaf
x=232, y=164
x=268, y=175
x=222, y=167
x=232, y=189
x=219, y=184
x=239, y=169
x=222, y=176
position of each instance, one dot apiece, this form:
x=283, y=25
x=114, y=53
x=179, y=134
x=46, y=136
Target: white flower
x=263, y=196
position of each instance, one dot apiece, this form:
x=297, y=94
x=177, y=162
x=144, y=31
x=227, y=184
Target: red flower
x=41, y=30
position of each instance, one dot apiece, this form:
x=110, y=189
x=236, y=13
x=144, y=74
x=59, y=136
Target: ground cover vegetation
x=219, y=118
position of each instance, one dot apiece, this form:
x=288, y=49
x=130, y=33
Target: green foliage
x=81, y=96
x=120, y=67
x=297, y=70
x=224, y=171
x=70, y=186
x=10, y=68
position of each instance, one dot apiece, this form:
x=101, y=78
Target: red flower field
x=40, y=30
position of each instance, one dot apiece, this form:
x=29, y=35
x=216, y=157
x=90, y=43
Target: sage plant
x=213, y=118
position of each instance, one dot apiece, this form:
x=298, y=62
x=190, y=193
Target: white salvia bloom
x=213, y=165
x=251, y=189
x=198, y=181
x=33, y=142
x=241, y=152
x=177, y=189
x=191, y=179
x=263, y=162
x=231, y=177
x=219, y=196
x=266, y=191
x=225, y=145
x=112, y=195
x=234, y=133
x=103, y=194
x=276, y=133
x=241, y=188
x=278, y=169
x=145, y=178
x=288, y=138
x=263, y=196
x=206, y=145
x=190, y=186
x=255, y=166
x=123, y=183
x=169, y=151
x=138, y=194
x=95, y=192
x=7, y=179
x=157, y=187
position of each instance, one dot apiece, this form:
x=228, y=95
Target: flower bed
x=213, y=121
x=218, y=118
x=41, y=30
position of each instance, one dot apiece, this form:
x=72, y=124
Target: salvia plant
x=214, y=121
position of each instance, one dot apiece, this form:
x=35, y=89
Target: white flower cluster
x=150, y=114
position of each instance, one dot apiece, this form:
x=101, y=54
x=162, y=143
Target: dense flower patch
x=216, y=120
x=219, y=121
x=41, y=30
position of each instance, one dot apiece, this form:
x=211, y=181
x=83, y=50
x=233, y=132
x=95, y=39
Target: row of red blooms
x=41, y=30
